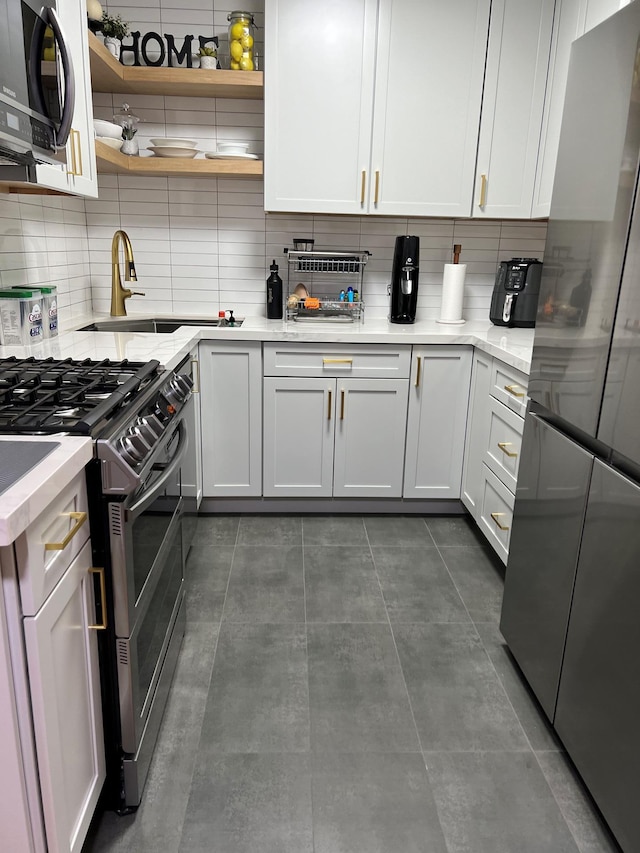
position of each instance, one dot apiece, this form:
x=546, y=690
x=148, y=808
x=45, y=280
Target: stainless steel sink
x=153, y=324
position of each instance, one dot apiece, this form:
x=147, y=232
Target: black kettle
x=404, y=280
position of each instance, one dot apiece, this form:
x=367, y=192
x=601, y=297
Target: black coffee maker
x=404, y=280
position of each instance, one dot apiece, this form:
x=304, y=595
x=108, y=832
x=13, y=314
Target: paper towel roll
x=452, y=294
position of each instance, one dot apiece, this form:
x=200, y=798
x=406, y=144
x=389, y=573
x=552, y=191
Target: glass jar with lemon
x=241, y=41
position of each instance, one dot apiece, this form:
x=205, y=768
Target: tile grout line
x=306, y=641
x=393, y=639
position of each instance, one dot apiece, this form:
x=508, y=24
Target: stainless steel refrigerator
x=571, y=609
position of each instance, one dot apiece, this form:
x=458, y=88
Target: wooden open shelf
x=113, y=162
x=109, y=75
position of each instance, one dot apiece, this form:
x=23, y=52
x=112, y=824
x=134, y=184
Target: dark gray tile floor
x=343, y=687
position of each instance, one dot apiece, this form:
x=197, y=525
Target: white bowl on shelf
x=106, y=129
x=112, y=143
x=232, y=148
x=171, y=151
x=173, y=143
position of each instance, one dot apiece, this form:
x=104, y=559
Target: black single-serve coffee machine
x=404, y=280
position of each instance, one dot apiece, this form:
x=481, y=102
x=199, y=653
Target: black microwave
x=37, y=88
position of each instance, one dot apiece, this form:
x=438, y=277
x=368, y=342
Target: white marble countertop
x=513, y=346
x=23, y=502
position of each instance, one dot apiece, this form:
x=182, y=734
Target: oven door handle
x=176, y=460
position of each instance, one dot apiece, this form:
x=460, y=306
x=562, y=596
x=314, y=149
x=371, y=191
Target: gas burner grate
x=49, y=395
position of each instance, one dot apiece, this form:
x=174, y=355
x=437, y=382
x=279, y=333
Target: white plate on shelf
x=213, y=155
x=189, y=153
x=173, y=143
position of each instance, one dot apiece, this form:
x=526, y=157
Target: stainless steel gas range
x=138, y=415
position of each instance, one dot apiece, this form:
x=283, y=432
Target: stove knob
x=175, y=392
x=149, y=428
x=129, y=452
x=185, y=382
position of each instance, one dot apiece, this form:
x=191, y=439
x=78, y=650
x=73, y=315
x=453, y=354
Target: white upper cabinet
x=428, y=94
x=355, y=125
x=512, y=108
x=78, y=175
x=573, y=18
x=318, y=103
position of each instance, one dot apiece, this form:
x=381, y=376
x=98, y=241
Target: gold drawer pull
x=503, y=445
x=80, y=518
x=363, y=186
x=342, y=405
x=483, y=191
x=337, y=361
x=329, y=407
x=496, y=516
x=510, y=389
x=377, y=189
x=103, y=600
x=196, y=376
x=418, y=371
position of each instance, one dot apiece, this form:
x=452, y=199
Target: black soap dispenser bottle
x=274, y=294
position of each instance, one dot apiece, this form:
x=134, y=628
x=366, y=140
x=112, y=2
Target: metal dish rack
x=324, y=274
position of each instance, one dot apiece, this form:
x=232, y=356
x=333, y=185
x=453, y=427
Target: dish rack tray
x=321, y=282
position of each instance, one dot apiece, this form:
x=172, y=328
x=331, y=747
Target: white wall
x=43, y=240
x=202, y=245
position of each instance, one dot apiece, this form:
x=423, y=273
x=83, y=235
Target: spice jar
x=241, y=41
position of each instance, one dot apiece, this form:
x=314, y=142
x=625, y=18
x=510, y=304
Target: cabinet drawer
x=40, y=566
x=505, y=438
x=509, y=386
x=496, y=515
x=367, y=362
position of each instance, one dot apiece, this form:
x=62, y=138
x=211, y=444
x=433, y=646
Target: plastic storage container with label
x=20, y=317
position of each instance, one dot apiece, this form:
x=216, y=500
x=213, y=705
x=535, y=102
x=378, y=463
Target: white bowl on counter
x=112, y=143
x=106, y=129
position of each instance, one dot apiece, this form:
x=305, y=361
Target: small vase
x=130, y=147
x=208, y=62
x=113, y=46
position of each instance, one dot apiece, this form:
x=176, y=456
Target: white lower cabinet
x=298, y=436
x=334, y=437
x=492, y=447
x=477, y=435
x=436, y=424
x=231, y=418
x=64, y=682
x=496, y=513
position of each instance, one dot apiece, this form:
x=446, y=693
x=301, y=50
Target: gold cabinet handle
x=80, y=168
x=363, y=186
x=74, y=163
x=417, y=384
x=337, y=361
x=511, y=390
x=103, y=600
x=80, y=518
x=496, y=516
x=483, y=191
x=376, y=191
x=503, y=445
x=329, y=406
x=342, y=404
x=196, y=373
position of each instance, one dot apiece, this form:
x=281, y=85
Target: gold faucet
x=118, y=292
